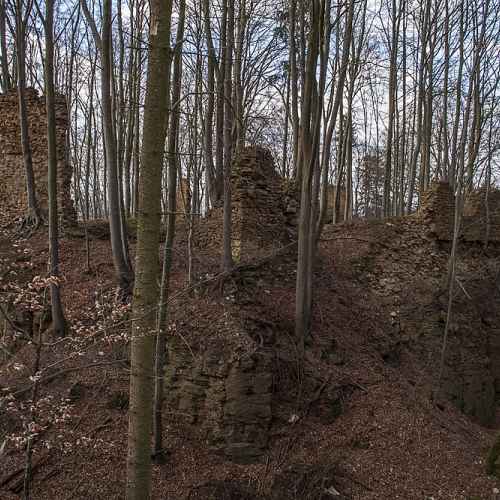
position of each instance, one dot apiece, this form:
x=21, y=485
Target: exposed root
x=30, y=223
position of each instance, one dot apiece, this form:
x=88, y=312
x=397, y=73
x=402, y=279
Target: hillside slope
x=358, y=419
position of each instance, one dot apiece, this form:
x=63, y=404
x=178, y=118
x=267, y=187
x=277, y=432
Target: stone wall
x=219, y=381
x=264, y=207
x=330, y=203
x=257, y=196
x=183, y=192
x=481, y=217
x=437, y=209
x=478, y=222
x=13, y=186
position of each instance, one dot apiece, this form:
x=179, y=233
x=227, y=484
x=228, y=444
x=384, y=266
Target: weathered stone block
x=225, y=393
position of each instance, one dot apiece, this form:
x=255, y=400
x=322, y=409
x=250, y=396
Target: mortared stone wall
x=13, y=200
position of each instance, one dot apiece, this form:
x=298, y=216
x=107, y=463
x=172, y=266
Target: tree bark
x=145, y=299
x=392, y=107
x=309, y=144
x=5, y=80
x=173, y=166
x=227, y=251
x=58, y=320
x=121, y=262
x=34, y=216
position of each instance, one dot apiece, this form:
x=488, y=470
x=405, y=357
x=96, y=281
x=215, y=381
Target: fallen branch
x=318, y=394
x=9, y=477
x=52, y=376
x=107, y=422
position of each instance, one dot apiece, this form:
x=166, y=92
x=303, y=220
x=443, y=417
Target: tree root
x=31, y=222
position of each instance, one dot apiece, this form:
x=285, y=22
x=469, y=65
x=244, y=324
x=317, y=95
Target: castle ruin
x=481, y=213
x=264, y=207
x=13, y=199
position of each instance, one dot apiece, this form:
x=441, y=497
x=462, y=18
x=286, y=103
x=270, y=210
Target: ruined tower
x=13, y=200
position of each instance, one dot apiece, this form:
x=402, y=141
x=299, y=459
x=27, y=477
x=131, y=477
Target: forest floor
x=387, y=441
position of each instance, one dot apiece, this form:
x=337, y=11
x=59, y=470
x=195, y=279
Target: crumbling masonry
x=13, y=200
x=481, y=214
x=264, y=208
x=221, y=380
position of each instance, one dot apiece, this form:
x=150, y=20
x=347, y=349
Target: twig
x=33, y=413
x=318, y=393
x=463, y=289
x=359, y=386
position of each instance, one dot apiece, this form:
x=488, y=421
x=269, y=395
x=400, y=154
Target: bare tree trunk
x=221, y=104
x=419, y=104
x=58, y=320
x=339, y=92
x=129, y=140
x=284, y=150
x=137, y=142
x=446, y=160
x=292, y=47
x=121, y=262
x=396, y=17
x=5, y=80
x=348, y=161
x=428, y=111
x=173, y=166
x=237, y=84
x=227, y=252
x=145, y=300
x=458, y=102
x=34, y=216
x=213, y=193
x=403, y=147
x=461, y=188
x=309, y=145
x=86, y=213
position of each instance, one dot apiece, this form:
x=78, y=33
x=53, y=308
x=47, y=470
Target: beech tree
x=145, y=300
x=19, y=26
x=58, y=320
x=5, y=79
x=119, y=243
x=173, y=168
x=309, y=140
x=227, y=51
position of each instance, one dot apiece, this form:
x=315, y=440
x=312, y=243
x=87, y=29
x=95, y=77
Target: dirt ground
x=387, y=439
